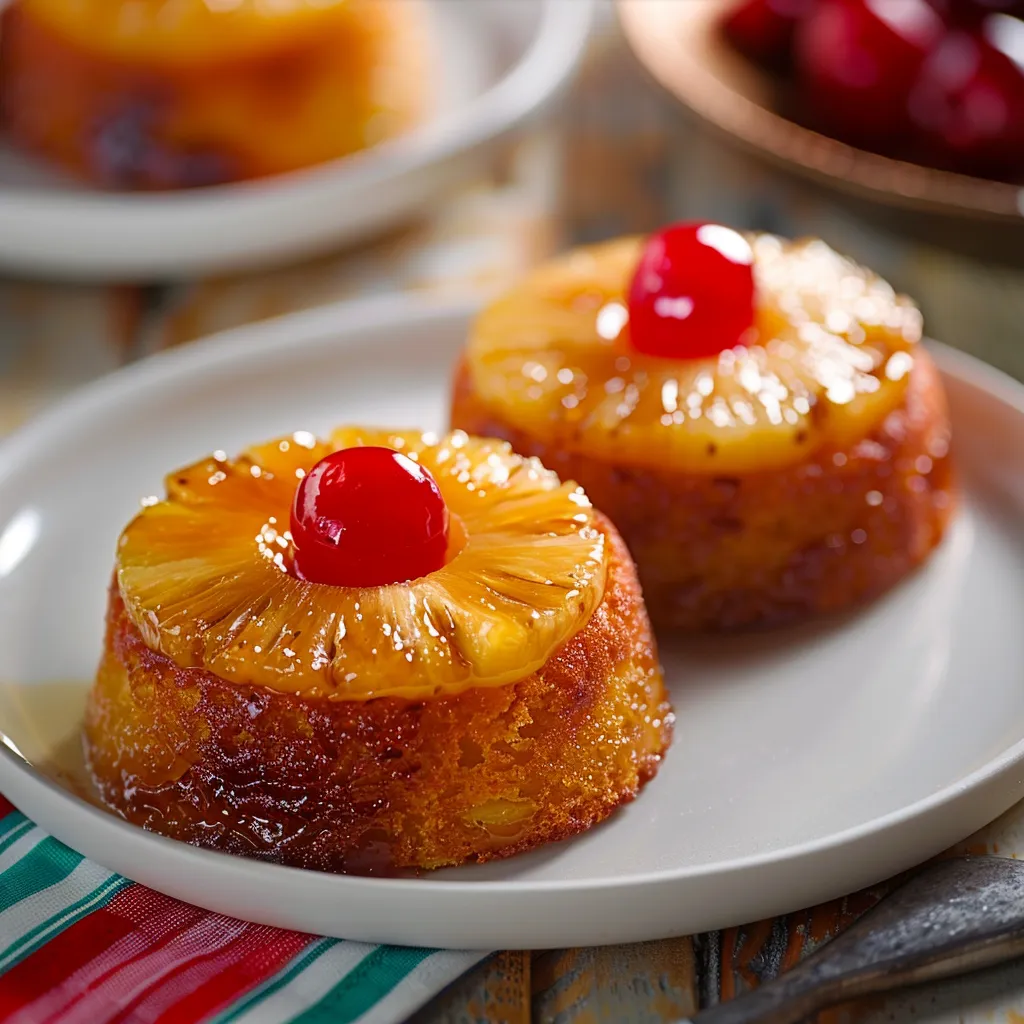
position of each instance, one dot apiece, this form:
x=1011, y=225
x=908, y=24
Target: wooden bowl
x=680, y=44
x=953, y=242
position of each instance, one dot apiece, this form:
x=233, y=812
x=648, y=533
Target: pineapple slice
x=827, y=359
x=204, y=575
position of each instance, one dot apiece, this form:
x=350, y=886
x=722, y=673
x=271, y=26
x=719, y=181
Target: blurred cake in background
x=165, y=94
x=935, y=82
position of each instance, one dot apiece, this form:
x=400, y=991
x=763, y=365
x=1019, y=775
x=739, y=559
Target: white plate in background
x=501, y=62
x=806, y=763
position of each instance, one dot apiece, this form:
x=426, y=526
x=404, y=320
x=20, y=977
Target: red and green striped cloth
x=82, y=945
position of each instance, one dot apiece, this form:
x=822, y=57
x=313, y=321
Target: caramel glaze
x=205, y=577
x=766, y=548
x=384, y=785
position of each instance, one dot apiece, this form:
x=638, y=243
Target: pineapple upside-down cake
x=378, y=652
x=166, y=94
x=756, y=416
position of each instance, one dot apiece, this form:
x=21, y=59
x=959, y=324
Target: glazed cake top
x=205, y=575
x=826, y=360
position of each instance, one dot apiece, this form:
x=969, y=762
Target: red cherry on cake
x=692, y=295
x=967, y=105
x=856, y=61
x=367, y=517
x=763, y=29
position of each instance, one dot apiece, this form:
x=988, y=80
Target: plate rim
x=341, y=325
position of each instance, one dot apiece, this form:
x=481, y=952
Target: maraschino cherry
x=967, y=106
x=971, y=12
x=367, y=517
x=763, y=29
x=856, y=61
x=692, y=295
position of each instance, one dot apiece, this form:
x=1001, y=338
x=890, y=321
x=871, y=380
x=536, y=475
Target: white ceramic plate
x=806, y=764
x=500, y=62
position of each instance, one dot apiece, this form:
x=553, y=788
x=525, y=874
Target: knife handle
x=954, y=916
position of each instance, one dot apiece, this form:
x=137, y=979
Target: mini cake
x=756, y=416
x=445, y=658
x=154, y=94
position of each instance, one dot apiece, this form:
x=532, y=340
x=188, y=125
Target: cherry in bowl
x=967, y=105
x=856, y=61
x=763, y=30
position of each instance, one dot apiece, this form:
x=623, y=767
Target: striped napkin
x=81, y=945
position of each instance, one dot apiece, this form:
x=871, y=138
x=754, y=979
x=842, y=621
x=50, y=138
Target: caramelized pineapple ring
x=828, y=359
x=204, y=576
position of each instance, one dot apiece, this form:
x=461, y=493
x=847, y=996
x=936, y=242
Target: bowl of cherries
x=915, y=102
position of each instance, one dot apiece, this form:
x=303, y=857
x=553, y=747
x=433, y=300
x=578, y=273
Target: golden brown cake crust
x=761, y=549
x=385, y=784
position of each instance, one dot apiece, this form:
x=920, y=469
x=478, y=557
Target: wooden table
x=632, y=165
x=656, y=982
